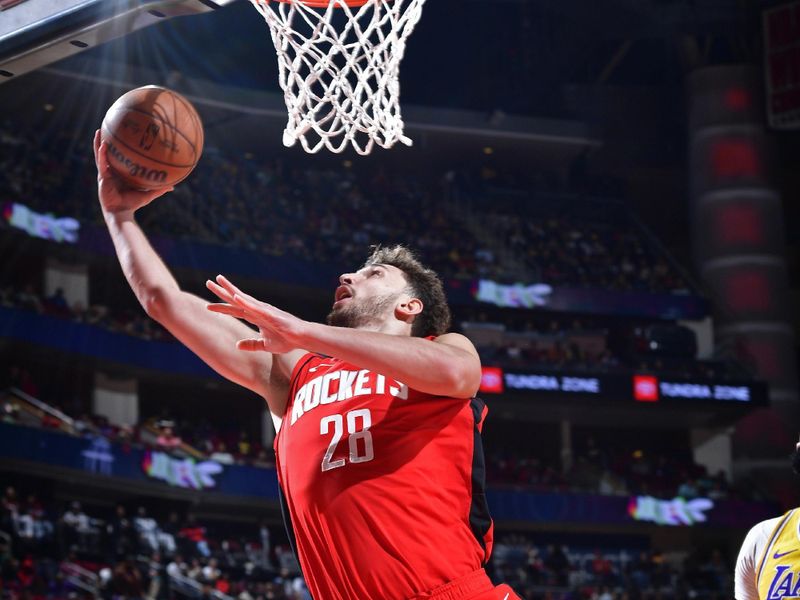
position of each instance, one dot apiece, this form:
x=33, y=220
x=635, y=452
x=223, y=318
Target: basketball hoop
x=339, y=66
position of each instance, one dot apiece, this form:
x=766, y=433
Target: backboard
x=35, y=33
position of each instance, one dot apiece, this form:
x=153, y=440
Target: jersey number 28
x=353, y=436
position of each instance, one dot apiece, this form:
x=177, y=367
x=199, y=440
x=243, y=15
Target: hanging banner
x=782, y=65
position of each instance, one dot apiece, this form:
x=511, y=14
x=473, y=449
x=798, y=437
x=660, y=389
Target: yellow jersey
x=778, y=570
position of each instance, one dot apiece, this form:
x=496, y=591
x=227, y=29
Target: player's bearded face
x=363, y=312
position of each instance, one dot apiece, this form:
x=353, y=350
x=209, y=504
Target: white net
x=339, y=70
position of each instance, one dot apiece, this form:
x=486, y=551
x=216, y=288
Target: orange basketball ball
x=154, y=136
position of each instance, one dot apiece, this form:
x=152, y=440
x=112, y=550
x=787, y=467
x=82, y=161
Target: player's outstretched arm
x=211, y=336
x=447, y=366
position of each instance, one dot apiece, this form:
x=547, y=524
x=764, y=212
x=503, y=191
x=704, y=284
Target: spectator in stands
x=75, y=527
x=557, y=563
x=719, y=489
x=266, y=545
x=222, y=584
x=243, y=446
x=121, y=533
x=10, y=411
x=30, y=525
x=177, y=567
x=168, y=534
x=6, y=296
x=688, y=489
x=9, y=507
x=56, y=304
x=210, y=572
x=196, y=535
x=157, y=588
x=167, y=441
x=221, y=454
x=127, y=580
x=146, y=531
x=28, y=299
x=640, y=570
x=206, y=592
x=195, y=570
x=601, y=569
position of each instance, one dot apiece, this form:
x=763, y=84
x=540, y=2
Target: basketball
x=154, y=136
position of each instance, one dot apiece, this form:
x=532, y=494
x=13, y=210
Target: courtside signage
x=648, y=388
x=552, y=383
x=703, y=391
x=645, y=388
x=492, y=380
x=616, y=387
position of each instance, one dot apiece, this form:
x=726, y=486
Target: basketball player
x=378, y=431
x=768, y=567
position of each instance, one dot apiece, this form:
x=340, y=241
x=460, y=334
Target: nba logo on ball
x=491, y=380
x=149, y=136
x=645, y=388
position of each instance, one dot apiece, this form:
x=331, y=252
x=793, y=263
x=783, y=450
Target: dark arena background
x=609, y=191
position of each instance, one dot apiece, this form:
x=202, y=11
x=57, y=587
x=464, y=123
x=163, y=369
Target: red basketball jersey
x=384, y=485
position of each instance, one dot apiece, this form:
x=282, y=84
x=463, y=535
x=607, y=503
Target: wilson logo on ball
x=135, y=169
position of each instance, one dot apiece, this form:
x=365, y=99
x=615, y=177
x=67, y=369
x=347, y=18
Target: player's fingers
x=220, y=291
x=250, y=303
x=103, y=166
x=235, y=291
x=96, y=145
x=252, y=345
x=226, y=309
x=225, y=283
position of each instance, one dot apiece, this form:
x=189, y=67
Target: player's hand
x=116, y=196
x=280, y=332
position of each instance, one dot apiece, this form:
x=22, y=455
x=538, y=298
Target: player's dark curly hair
x=424, y=283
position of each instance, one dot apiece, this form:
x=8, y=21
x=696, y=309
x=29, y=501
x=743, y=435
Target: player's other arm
x=447, y=366
x=211, y=336
x=745, y=587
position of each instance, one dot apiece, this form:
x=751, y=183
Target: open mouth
x=342, y=293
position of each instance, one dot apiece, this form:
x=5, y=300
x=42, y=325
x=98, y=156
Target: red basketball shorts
x=475, y=586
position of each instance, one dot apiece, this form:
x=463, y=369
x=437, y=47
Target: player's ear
x=409, y=307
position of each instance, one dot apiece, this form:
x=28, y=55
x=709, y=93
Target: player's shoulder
x=766, y=527
x=758, y=536
x=750, y=554
x=453, y=339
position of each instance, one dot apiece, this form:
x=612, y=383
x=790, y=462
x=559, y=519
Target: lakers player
x=768, y=567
